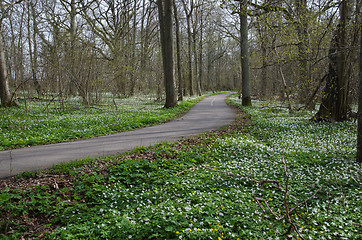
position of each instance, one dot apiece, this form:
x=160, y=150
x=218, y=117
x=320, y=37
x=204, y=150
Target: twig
x=277, y=185
x=10, y=4
x=285, y=199
x=261, y=182
x=286, y=91
x=258, y=200
x=55, y=185
x=190, y=169
x=115, y=105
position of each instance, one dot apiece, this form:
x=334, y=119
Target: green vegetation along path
x=209, y=114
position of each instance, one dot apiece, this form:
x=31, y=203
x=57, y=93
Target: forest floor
x=208, y=114
x=269, y=175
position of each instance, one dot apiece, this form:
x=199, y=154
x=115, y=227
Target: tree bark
x=200, y=55
x=191, y=89
x=334, y=106
x=166, y=24
x=189, y=38
x=33, y=45
x=304, y=77
x=197, y=55
x=5, y=95
x=196, y=61
x=178, y=53
x=72, y=85
x=262, y=29
x=359, y=116
x=342, y=83
x=244, y=46
x=133, y=77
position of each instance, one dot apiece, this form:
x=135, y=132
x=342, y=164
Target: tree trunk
x=178, y=53
x=5, y=95
x=166, y=24
x=359, y=132
x=72, y=83
x=33, y=45
x=342, y=84
x=189, y=37
x=262, y=29
x=132, y=61
x=334, y=106
x=200, y=57
x=304, y=79
x=209, y=69
x=264, y=73
x=244, y=46
x=286, y=91
x=196, y=61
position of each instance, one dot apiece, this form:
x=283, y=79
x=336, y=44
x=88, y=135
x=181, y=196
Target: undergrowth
x=220, y=185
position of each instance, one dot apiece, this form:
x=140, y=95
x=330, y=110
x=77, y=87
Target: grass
x=202, y=188
x=42, y=123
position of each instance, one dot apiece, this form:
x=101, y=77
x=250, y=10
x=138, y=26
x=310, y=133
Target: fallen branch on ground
x=276, y=183
x=259, y=201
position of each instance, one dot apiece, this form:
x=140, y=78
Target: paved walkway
x=209, y=114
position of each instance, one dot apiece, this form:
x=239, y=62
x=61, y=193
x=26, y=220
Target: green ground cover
x=45, y=122
x=207, y=187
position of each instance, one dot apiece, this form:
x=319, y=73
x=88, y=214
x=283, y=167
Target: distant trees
x=89, y=47
x=62, y=49
x=293, y=45
x=67, y=48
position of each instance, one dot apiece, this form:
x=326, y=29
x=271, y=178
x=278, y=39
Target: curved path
x=209, y=114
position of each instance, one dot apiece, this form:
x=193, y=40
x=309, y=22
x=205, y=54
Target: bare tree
x=85, y=48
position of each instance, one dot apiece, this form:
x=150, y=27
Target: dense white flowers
x=207, y=202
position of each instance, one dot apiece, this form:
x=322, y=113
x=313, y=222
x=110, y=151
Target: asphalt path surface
x=209, y=114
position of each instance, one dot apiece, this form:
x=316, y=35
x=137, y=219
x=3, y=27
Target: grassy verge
x=43, y=123
x=228, y=184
